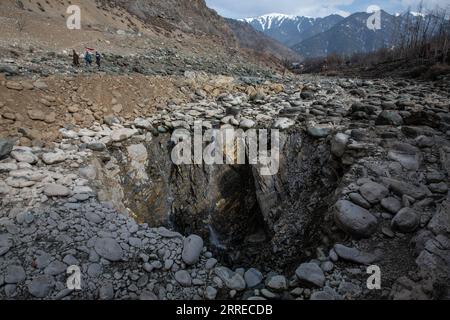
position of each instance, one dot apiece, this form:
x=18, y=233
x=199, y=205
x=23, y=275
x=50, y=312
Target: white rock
x=122, y=134
x=6, y=167
x=56, y=190
x=283, y=123
x=52, y=158
x=24, y=156
x=143, y=123
x=247, y=123
x=68, y=134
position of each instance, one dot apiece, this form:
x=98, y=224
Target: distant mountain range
x=318, y=37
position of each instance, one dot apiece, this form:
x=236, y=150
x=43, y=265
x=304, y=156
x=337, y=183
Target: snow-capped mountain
x=291, y=30
x=350, y=36
x=316, y=37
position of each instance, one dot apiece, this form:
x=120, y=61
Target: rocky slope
x=147, y=41
x=192, y=16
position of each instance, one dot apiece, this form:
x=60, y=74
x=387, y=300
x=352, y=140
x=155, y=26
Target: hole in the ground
x=246, y=218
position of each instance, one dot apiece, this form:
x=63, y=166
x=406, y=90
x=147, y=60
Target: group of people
x=87, y=58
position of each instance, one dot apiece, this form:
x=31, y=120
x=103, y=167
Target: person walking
x=76, y=59
x=88, y=58
x=98, y=59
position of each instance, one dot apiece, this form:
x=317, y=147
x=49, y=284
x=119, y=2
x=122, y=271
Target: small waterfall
x=214, y=239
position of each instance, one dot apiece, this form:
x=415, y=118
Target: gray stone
x=322, y=295
x=210, y=293
x=438, y=187
x=14, y=274
x=109, y=249
x=6, y=146
x=359, y=200
x=43, y=260
x=52, y=158
x=277, y=283
x=311, y=274
x=122, y=134
x=407, y=155
x=24, y=156
x=55, y=267
x=70, y=260
x=318, y=131
x=354, y=255
x=247, y=123
x=338, y=144
x=41, y=286
x=233, y=280
x=354, y=219
x=210, y=263
x=56, y=190
x=406, y=220
x=283, y=123
x=373, y=192
x=253, y=277
x=424, y=142
x=192, y=248
x=96, y=146
x=89, y=172
x=93, y=217
x=268, y=294
x=440, y=223
x=403, y=188
x=148, y=296
x=106, y=291
x=183, y=278
x=391, y=204
x=389, y=117
x=327, y=266
x=95, y=270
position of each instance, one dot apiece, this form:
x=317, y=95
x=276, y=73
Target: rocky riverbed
x=363, y=181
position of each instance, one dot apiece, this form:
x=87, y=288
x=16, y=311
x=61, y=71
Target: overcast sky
x=313, y=8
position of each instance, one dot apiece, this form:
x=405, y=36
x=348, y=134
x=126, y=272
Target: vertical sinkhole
x=245, y=218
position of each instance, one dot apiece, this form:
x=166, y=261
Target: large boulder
x=109, y=249
x=406, y=220
x=41, y=286
x=311, y=273
x=373, y=192
x=354, y=219
x=192, y=248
